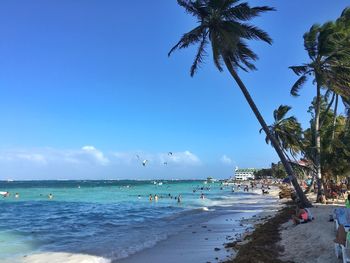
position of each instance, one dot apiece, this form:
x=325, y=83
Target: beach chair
x=345, y=253
x=341, y=245
x=340, y=242
x=341, y=216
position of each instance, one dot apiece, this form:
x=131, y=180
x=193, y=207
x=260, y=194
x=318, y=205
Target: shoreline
x=207, y=242
x=204, y=241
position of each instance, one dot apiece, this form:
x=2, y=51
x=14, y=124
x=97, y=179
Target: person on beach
x=301, y=216
x=347, y=202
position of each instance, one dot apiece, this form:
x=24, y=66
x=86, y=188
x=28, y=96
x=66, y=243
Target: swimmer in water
x=16, y=195
x=50, y=196
x=150, y=197
x=155, y=197
x=179, y=199
x=202, y=196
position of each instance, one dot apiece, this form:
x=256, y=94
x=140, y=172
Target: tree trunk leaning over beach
x=273, y=140
x=224, y=24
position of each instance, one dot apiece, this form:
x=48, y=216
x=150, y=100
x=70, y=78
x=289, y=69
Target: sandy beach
x=311, y=242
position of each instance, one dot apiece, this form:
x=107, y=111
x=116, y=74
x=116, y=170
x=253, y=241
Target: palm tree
x=287, y=131
x=329, y=66
x=224, y=24
x=289, y=134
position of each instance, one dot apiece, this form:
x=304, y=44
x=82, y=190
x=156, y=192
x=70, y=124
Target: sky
x=86, y=86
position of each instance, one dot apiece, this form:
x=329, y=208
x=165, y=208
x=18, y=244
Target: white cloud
x=185, y=157
x=226, y=160
x=96, y=154
x=11, y=156
x=87, y=154
x=90, y=162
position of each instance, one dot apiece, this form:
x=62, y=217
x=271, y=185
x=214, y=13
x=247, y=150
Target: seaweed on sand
x=263, y=245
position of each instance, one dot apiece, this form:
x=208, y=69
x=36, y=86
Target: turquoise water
x=112, y=219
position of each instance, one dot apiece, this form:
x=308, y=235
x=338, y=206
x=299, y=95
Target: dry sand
x=310, y=242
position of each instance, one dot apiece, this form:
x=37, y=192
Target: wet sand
x=205, y=242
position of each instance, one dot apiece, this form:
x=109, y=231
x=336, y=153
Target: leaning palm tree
x=330, y=69
x=224, y=24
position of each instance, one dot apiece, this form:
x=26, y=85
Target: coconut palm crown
x=287, y=130
x=223, y=23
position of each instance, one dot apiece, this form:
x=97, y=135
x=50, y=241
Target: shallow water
x=112, y=219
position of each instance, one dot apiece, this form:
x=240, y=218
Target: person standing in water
x=179, y=199
x=150, y=198
x=155, y=197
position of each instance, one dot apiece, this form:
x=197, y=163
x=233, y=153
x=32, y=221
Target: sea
x=111, y=219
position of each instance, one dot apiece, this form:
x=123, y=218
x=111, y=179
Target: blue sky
x=91, y=81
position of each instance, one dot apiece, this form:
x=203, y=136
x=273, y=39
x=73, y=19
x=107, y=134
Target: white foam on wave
x=207, y=209
x=137, y=247
x=59, y=257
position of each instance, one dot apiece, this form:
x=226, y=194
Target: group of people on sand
x=334, y=190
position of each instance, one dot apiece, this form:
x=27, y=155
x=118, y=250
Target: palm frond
x=253, y=32
x=297, y=85
x=190, y=38
x=217, y=57
x=245, y=55
x=200, y=55
x=281, y=112
x=300, y=70
x=194, y=8
x=310, y=41
x=244, y=12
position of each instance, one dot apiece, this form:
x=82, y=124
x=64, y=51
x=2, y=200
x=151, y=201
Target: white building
x=245, y=174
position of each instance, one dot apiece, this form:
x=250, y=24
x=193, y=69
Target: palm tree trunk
x=308, y=189
x=302, y=197
x=318, y=145
x=327, y=110
x=335, y=116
